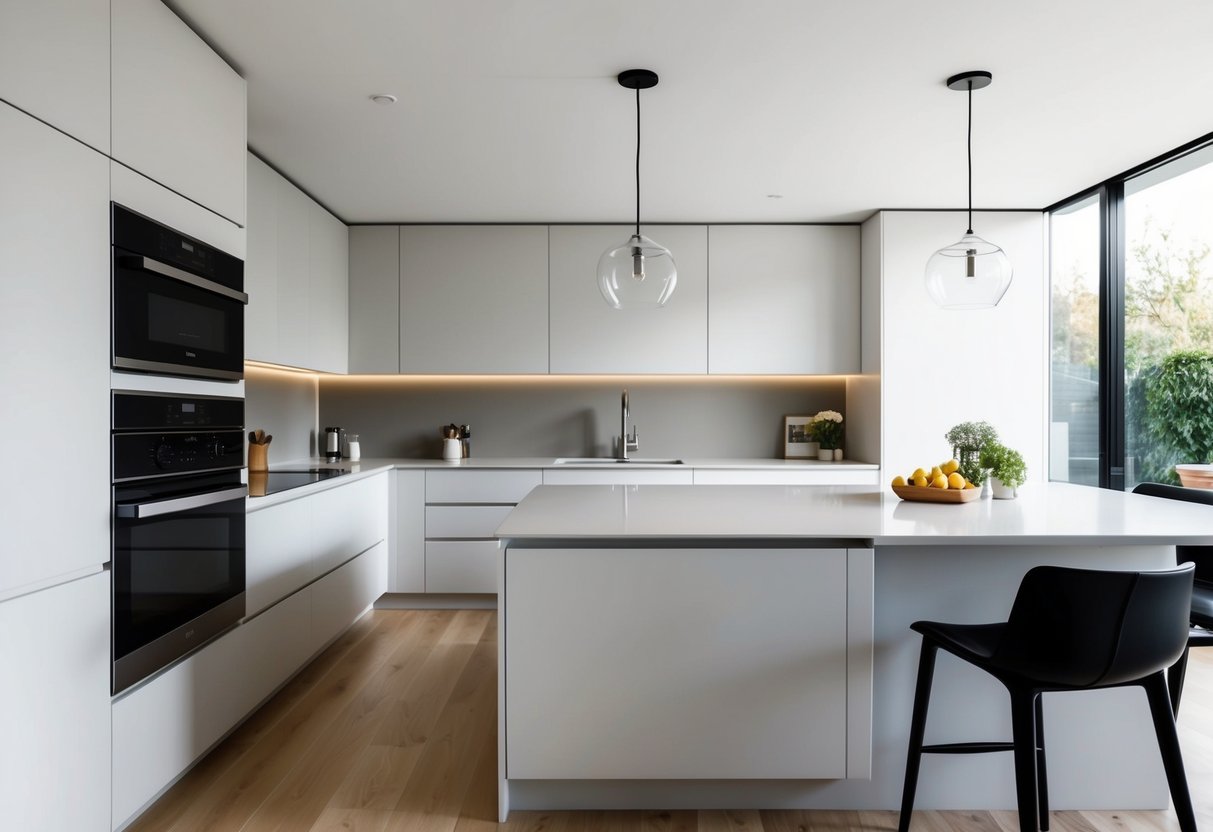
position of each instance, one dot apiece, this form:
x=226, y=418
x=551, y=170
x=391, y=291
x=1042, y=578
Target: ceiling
x=509, y=110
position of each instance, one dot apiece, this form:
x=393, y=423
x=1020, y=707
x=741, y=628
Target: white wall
x=939, y=367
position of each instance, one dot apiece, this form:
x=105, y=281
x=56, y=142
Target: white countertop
x=1044, y=513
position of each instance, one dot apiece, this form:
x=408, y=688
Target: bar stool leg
x=918, y=725
x=1168, y=745
x=1023, y=731
x=1175, y=680
x=1042, y=778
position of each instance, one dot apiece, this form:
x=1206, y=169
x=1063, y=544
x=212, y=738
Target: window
x=1132, y=324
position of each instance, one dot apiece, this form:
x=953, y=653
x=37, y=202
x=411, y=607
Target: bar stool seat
x=1069, y=630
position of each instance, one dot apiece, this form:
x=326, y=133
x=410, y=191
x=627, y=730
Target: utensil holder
x=258, y=457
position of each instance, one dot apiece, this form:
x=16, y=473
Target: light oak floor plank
x=394, y=728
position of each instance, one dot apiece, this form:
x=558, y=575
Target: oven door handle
x=147, y=264
x=141, y=511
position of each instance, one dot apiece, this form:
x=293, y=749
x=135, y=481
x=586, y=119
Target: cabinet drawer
x=820, y=476
x=619, y=475
x=463, y=521
x=480, y=486
x=461, y=566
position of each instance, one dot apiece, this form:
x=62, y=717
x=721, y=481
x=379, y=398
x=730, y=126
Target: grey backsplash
x=282, y=404
x=731, y=418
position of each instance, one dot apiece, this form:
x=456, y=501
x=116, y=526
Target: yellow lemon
x=918, y=472
x=899, y=481
x=920, y=481
x=969, y=484
x=935, y=473
x=940, y=482
x=955, y=480
x=950, y=467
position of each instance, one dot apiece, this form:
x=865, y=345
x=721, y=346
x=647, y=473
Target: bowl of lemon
x=943, y=483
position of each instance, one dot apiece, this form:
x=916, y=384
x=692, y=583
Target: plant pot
x=1195, y=476
x=826, y=454
x=1002, y=492
x=838, y=454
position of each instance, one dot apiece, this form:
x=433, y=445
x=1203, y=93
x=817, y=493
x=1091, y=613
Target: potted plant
x=826, y=429
x=967, y=440
x=1007, y=470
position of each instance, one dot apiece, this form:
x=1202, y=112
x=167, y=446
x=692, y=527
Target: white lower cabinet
x=406, y=563
x=619, y=475
x=347, y=520
x=340, y=596
x=54, y=708
x=800, y=476
x=456, y=566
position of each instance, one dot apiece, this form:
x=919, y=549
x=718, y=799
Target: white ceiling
x=509, y=109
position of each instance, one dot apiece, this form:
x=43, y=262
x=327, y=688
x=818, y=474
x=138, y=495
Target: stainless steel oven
x=178, y=304
x=178, y=567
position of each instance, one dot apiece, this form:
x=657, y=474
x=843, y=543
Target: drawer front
x=616, y=476
x=820, y=476
x=460, y=566
x=467, y=486
x=463, y=521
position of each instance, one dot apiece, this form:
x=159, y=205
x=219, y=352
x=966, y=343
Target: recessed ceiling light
x=774, y=196
x=383, y=99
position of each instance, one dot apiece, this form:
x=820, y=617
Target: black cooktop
x=264, y=484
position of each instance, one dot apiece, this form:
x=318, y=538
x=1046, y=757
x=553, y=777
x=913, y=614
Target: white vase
x=826, y=454
x=1002, y=492
x=838, y=454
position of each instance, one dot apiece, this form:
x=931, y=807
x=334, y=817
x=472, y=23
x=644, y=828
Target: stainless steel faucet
x=626, y=443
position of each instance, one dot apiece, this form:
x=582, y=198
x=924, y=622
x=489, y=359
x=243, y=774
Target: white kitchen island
x=749, y=646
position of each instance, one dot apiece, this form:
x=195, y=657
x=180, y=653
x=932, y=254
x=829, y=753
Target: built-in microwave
x=178, y=304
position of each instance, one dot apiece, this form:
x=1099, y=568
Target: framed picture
x=796, y=443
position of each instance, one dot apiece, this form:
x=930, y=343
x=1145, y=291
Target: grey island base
x=749, y=646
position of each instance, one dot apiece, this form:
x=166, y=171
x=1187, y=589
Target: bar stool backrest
x=1093, y=628
x=1202, y=556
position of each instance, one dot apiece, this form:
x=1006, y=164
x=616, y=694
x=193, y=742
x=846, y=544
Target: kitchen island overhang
x=749, y=646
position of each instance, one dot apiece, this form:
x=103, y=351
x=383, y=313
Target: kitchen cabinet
x=406, y=570
x=296, y=276
x=55, y=64
x=463, y=509
x=177, y=109
x=374, y=299
x=619, y=475
x=783, y=299
x=55, y=292
x=54, y=707
x=827, y=474
x=588, y=336
x=474, y=299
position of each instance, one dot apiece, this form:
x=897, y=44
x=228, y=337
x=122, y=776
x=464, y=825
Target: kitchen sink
x=598, y=460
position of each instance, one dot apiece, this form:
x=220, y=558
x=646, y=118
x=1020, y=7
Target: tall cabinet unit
x=474, y=299
x=783, y=299
x=588, y=336
x=296, y=276
x=178, y=110
x=55, y=63
x=374, y=310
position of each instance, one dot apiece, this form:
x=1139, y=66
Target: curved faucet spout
x=626, y=443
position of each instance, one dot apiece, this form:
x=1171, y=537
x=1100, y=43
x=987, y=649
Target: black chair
x=1201, y=616
x=1069, y=630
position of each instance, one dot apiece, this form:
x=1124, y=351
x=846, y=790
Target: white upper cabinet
x=296, y=276
x=588, y=336
x=374, y=299
x=474, y=299
x=55, y=339
x=55, y=63
x=178, y=110
x=783, y=299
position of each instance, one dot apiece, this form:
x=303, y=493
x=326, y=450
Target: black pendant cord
x=969, y=142
x=638, y=163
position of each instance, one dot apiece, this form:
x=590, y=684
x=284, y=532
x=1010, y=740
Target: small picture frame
x=796, y=442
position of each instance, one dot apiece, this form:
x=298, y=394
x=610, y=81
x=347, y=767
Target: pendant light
x=971, y=273
x=640, y=273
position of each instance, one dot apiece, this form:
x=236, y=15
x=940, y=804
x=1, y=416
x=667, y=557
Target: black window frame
x=1111, y=284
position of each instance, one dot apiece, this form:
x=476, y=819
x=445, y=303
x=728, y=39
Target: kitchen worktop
x=1044, y=513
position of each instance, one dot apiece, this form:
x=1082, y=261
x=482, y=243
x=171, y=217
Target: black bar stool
x=1069, y=629
x=1201, y=616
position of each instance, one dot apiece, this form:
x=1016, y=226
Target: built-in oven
x=178, y=304
x=178, y=570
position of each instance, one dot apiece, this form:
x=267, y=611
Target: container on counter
x=354, y=447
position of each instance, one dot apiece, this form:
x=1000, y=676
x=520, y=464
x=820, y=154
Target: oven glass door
x=178, y=569
x=168, y=321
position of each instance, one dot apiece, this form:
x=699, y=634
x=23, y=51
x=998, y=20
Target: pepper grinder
x=332, y=444
x=465, y=440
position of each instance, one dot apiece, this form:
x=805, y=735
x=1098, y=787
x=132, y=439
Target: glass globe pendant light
x=971, y=273
x=640, y=273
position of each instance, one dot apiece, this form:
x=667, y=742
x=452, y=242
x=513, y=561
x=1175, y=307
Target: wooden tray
x=936, y=495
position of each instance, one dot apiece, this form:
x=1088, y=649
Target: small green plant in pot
x=967, y=440
x=1007, y=470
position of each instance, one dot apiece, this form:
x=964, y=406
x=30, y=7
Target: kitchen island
x=749, y=646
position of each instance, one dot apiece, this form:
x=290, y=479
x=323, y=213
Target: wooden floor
x=393, y=728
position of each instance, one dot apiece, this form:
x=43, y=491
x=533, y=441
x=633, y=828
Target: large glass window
x=1168, y=318
x=1074, y=397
